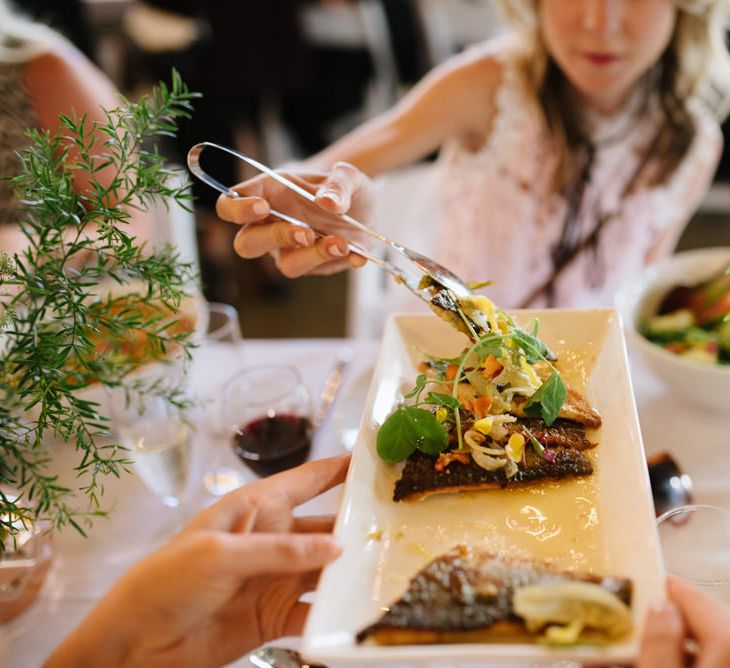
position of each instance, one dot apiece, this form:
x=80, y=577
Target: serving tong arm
x=423, y=264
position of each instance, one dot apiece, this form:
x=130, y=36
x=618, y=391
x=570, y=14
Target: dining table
x=85, y=568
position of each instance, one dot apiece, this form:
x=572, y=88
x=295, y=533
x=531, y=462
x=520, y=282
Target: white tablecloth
x=87, y=567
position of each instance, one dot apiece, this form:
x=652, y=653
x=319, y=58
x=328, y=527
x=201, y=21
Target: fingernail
x=333, y=547
x=335, y=251
x=260, y=208
x=302, y=238
x=663, y=608
x=333, y=197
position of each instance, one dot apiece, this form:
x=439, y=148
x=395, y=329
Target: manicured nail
x=335, y=251
x=333, y=197
x=302, y=238
x=333, y=548
x=260, y=208
x=663, y=608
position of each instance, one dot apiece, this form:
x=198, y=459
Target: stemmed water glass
x=224, y=330
x=159, y=444
x=223, y=324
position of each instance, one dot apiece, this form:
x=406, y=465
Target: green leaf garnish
x=407, y=429
x=548, y=400
x=490, y=345
x=536, y=445
x=535, y=350
x=440, y=399
x=421, y=381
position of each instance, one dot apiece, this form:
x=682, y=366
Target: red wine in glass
x=268, y=445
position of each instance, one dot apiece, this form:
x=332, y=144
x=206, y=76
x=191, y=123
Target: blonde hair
x=695, y=66
x=21, y=39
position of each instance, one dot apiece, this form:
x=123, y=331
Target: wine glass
x=159, y=443
x=267, y=412
x=224, y=331
x=223, y=324
x=695, y=541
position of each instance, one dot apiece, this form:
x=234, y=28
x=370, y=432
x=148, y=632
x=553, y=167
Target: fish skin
x=468, y=590
x=574, y=408
x=419, y=479
x=565, y=433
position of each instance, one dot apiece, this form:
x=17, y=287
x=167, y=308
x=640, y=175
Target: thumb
x=339, y=188
x=253, y=554
x=661, y=642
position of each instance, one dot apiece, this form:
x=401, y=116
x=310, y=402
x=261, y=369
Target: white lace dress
x=500, y=219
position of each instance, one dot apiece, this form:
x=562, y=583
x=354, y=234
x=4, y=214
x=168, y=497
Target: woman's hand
x=230, y=581
x=687, y=613
x=298, y=250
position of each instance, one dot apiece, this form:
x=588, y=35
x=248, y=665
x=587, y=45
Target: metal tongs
x=410, y=279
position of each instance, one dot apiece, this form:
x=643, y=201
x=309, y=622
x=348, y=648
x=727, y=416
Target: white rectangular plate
x=602, y=524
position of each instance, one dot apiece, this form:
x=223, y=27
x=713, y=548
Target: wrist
x=106, y=637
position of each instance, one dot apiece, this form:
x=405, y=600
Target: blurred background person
x=43, y=75
x=354, y=59
x=576, y=148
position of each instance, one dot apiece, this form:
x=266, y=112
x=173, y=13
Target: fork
x=426, y=266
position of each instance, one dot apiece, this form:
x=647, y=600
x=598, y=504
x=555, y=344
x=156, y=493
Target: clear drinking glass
x=223, y=323
x=224, y=333
x=160, y=448
x=267, y=412
x=696, y=545
x=24, y=565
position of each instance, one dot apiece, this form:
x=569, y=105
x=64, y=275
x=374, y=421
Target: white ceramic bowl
x=703, y=385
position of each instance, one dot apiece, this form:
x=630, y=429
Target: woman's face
x=605, y=46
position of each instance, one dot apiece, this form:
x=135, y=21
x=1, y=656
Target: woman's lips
x=602, y=59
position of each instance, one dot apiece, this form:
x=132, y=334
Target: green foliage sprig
x=52, y=305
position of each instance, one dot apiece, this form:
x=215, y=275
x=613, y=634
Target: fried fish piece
x=565, y=433
x=574, y=408
x=421, y=477
x=472, y=595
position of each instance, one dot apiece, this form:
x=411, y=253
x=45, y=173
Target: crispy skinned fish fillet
x=420, y=478
x=574, y=408
x=562, y=432
x=467, y=595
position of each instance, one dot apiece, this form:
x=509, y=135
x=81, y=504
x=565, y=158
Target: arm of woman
x=64, y=81
x=455, y=101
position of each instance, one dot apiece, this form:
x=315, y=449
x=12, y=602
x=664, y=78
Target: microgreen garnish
x=439, y=399
x=548, y=399
x=421, y=380
x=490, y=345
x=411, y=428
x=407, y=429
x=538, y=447
x=535, y=350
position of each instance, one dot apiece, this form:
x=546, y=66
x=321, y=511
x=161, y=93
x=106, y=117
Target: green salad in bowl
x=694, y=320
